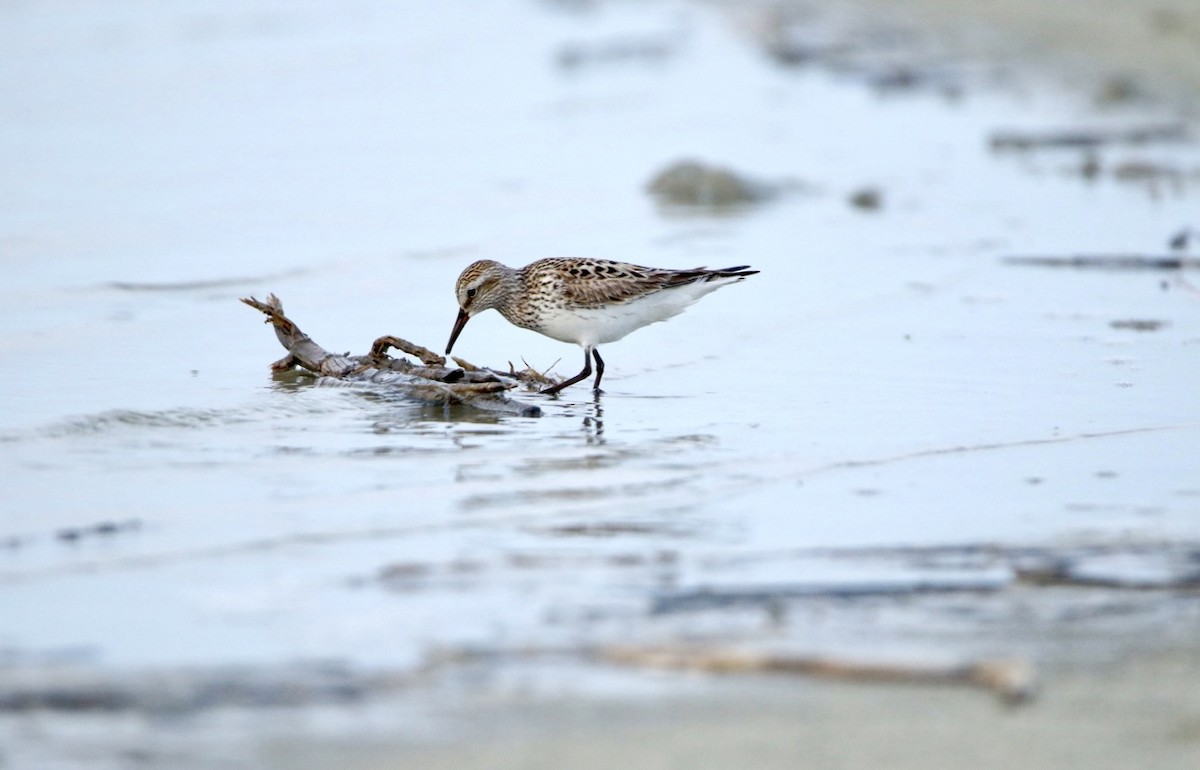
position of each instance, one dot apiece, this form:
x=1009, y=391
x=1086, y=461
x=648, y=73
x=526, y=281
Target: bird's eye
x=471, y=292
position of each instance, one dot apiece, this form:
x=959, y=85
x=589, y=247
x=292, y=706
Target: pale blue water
x=885, y=381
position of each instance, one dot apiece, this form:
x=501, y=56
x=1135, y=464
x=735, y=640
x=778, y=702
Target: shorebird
x=586, y=301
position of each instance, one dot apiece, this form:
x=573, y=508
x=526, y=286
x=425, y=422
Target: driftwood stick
x=302, y=350
x=427, y=356
x=1012, y=680
x=431, y=382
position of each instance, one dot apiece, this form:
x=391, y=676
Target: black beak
x=459, y=323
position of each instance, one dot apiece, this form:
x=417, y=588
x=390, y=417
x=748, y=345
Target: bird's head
x=480, y=287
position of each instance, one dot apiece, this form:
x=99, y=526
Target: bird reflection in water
x=593, y=421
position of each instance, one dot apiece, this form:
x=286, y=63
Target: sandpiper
x=586, y=301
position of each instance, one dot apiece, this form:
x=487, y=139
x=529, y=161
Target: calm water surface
x=887, y=382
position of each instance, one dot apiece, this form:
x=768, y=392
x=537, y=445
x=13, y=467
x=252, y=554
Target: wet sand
x=1143, y=713
x=1100, y=45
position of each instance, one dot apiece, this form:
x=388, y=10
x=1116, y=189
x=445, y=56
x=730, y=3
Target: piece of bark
x=431, y=381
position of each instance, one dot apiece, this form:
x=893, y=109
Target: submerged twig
x=431, y=381
x=531, y=374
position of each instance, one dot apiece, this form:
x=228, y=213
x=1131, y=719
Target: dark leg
x=587, y=369
x=599, y=369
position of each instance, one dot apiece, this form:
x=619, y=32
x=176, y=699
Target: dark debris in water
x=1086, y=575
x=1145, y=171
x=468, y=573
x=891, y=56
x=73, y=535
x=1156, y=177
x=430, y=381
x=709, y=188
x=965, y=570
x=181, y=691
x=101, y=529
x=767, y=597
x=628, y=50
x=695, y=183
x=607, y=529
x=12, y=542
x=1089, y=138
x=1108, y=261
x=1139, y=324
x=867, y=199
x=1121, y=89
x=1181, y=240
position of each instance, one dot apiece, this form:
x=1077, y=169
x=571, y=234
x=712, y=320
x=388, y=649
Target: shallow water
x=887, y=382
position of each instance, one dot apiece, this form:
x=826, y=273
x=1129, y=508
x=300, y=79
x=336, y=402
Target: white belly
x=591, y=327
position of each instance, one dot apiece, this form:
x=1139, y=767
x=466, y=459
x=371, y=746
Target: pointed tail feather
x=681, y=277
x=741, y=271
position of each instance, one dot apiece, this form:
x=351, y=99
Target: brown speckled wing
x=590, y=283
x=594, y=283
